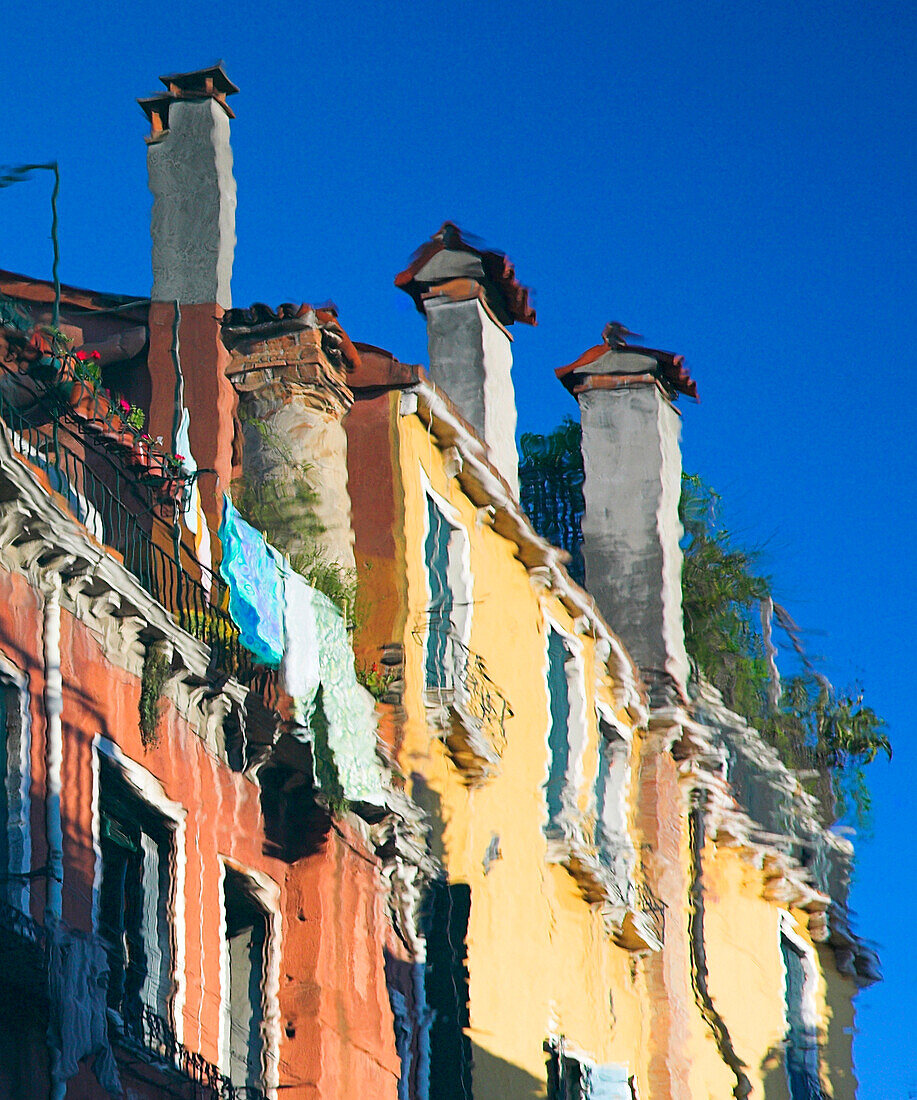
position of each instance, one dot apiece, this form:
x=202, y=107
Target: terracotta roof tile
x=670, y=369
x=499, y=274
x=261, y=322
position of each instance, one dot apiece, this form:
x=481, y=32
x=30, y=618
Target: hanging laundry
x=193, y=512
x=349, y=708
x=299, y=670
x=252, y=570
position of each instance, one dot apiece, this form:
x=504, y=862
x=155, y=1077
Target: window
x=447, y=910
x=801, y=1042
x=448, y=603
x=566, y=694
x=244, y=981
x=611, y=838
x=15, y=837
x=134, y=898
x=573, y=1078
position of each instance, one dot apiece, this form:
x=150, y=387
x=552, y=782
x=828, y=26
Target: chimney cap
x=666, y=367
x=507, y=296
x=210, y=81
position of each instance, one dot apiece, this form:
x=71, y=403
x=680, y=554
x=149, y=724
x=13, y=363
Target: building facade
x=472, y=830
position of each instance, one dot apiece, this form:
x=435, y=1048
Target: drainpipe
x=699, y=972
x=54, y=753
x=54, y=747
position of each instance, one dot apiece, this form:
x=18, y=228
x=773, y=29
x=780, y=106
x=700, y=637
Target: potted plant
x=84, y=373
x=141, y=451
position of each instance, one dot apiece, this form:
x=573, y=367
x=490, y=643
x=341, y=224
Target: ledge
x=630, y=924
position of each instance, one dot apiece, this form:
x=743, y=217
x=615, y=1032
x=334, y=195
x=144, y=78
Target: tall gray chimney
x=189, y=161
x=470, y=296
x=631, y=529
x=194, y=193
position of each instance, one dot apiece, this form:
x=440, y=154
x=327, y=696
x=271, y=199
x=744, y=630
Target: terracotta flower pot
x=83, y=399
x=140, y=453
x=99, y=419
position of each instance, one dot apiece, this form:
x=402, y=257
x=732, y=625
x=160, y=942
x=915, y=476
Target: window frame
x=264, y=894
x=460, y=582
x=148, y=791
x=569, y=815
x=611, y=836
x=808, y=1004
x=16, y=890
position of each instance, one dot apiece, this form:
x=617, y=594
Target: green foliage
x=720, y=597
x=551, y=488
x=333, y=580
x=152, y=685
x=374, y=678
x=816, y=730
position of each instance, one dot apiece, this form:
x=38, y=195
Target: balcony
x=124, y=512
x=467, y=708
x=606, y=874
x=149, y=1037
x=141, y=1038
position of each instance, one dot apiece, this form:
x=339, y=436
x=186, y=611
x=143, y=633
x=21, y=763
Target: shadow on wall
x=776, y=1085
x=295, y=825
x=496, y=1079
x=430, y=802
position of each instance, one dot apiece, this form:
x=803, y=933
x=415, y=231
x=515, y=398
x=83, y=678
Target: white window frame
x=787, y=929
x=16, y=890
x=577, y=733
x=266, y=894
x=461, y=585
x=149, y=790
x=614, y=825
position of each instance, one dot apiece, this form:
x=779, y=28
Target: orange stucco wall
x=335, y=1029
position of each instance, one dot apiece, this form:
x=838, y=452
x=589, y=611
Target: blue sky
x=734, y=181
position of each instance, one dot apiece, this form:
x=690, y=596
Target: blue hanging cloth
x=250, y=568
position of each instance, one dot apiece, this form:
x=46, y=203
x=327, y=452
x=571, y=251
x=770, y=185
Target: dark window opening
x=448, y=907
x=246, y=942
x=135, y=899
x=13, y=797
x=801, y=1052
x=559, y=735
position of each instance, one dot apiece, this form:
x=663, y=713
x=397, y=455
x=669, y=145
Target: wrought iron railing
x=151, y=1033
x=119, y=511
x=652, y=907
x=464, y=683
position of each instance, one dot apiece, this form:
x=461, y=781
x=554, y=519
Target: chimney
x=470, y=296
x=631, y=529
x=189, y=161
x=290, y=368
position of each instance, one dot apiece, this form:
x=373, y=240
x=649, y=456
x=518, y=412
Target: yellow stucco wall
x=540, y=960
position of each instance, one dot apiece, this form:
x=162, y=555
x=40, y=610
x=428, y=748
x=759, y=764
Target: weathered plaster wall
x=292, y=405
x=208, y=394
x=471, y=360
x=194, y=205
x=540, y=960
x=742, y=936
x=332, y=1019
